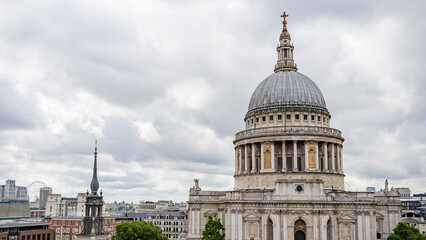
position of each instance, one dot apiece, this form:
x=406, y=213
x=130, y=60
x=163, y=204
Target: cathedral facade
x=289, y=180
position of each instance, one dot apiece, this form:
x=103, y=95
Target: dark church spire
x=94, y=185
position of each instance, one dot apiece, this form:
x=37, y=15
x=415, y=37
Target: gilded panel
x=312, y=154
x=267, y=156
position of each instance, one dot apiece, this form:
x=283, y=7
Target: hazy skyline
x=165, y=85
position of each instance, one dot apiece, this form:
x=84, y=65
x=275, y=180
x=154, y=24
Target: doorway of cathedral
x=299, y=235
x=269, y=230
x=300, y=230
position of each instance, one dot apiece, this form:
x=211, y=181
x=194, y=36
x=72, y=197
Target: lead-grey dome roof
x=284, y=91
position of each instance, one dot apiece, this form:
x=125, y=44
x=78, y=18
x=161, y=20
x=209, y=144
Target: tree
x=212, y=230
x=406, y=232
x=138, y=231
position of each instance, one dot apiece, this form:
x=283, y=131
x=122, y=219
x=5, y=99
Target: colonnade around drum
x=300, y=156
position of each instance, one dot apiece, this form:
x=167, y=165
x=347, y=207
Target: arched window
x=300, y=230
x=329, y=230
x=269, y=230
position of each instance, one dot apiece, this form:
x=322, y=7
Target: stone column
x=285, y=233
x=261, y=157
x=306, y=156
x=192, y=221
x=338, y=158
x=236, y=160
x=246, y=169
x=316, y=156
x=284, y=158
x=233, y=230
x=227, y=224
x=325, y=162
x=240, y=225
x=332, y=157
x=276, y=226
x=240, y=160
x=367, y=226
x=359, y=226
x=374, y=225
x=253, y=157
x=294, y=155
x=315, y=226
x=273, y=156
x=341, y=159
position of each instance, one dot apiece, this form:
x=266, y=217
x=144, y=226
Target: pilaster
x=294, y=155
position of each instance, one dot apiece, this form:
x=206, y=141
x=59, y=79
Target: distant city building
x=411, y=204
x=21, y=193
x=404, y=193
x=150, y=206
x=416, y=220
x=44, y=192
x=420, y=196
x=173, y=223
x=371, y=189
x=10, y=191
x=38, y=213
x=69, y=227
x=12, y=209
x=25, y=231
x=57, y=205
x=2, y=189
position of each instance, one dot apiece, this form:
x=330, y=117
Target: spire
x=94, y=185
x=285, y=49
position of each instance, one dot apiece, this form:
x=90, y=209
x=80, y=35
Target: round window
x=299, y=188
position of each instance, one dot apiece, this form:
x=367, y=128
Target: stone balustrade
x=291, y=130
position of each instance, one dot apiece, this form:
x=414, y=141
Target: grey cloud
x=125, y=59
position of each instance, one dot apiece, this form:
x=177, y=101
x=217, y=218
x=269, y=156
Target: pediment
x=379, y=216
x=211, y=213
x=251, y=217
x=346, y=218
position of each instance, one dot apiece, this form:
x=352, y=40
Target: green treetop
x=138, y=231
x=212, y=230
x=406, y=232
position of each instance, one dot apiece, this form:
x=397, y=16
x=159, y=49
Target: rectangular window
x=271, y=118
x=58, y=230
x=263, y=119
x=288, y=117
x=285, y=53
x=305, y=117
x=323, y=119
x=252, y=121
x=257, y=120
x=280, y=117
x=297, y=116
x=319, y=119
x=312, y=118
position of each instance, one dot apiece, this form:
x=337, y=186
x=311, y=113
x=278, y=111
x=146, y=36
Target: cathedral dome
x=287, y=91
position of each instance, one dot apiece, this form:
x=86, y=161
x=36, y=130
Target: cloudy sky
x=165, y=85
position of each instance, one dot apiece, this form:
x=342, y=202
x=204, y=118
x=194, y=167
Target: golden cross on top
x=284, y=22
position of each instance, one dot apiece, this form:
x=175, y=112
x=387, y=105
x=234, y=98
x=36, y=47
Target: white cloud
x=147, y=132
